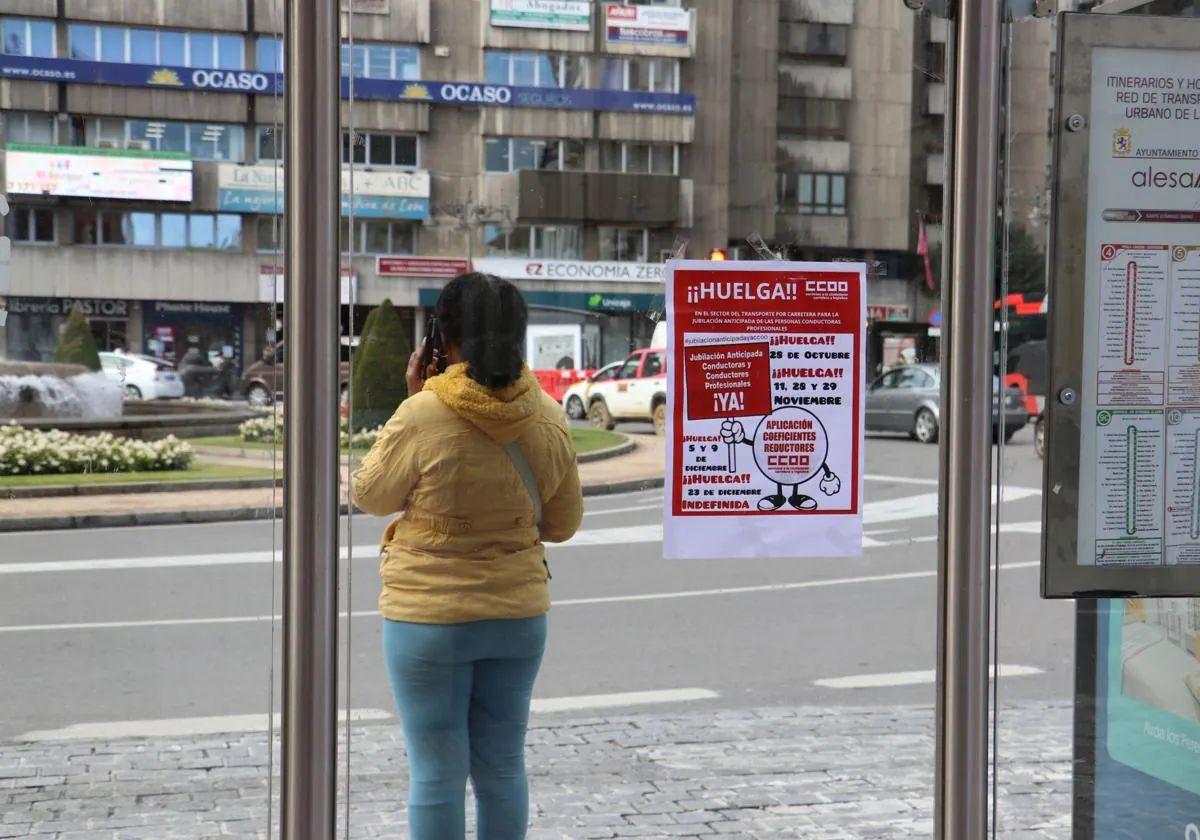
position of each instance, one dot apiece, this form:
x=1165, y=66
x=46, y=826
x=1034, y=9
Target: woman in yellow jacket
x=479, y=464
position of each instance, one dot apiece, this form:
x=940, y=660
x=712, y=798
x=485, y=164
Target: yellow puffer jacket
x=466, y=546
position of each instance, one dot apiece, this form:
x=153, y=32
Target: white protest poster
x=1139, y=478
x=766, y=396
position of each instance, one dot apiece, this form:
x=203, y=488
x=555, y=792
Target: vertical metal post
x=310, y=491
x=960, y=807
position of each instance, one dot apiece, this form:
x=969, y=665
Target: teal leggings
x=463, y=691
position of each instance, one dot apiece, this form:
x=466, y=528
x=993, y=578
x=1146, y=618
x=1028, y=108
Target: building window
x=270, y=143
x=535, y=69
x=377, y=236
x=202, y=141
x=267, y=235
x=28, y=36
x=658, y=75
x=268, y=54
x=378, y=149
x=371, y=61
x=508, y=154
x=812, y=193
x=31, y=224
x=624, y=244
x=382, y=61
x=646, y=158
x=31, y=127
x=823, y=118
x=553, y=242
x=146, y=229
x=815, y=42
x=127, y=45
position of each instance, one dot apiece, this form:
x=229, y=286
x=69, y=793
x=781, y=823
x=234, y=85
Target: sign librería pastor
x=764, y=447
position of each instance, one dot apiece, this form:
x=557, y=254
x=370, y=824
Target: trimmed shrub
x=380, y=363
x=77, y=345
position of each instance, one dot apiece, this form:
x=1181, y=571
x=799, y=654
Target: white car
x=142, y=377
x=575, y=400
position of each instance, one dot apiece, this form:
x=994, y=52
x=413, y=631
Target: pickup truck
x=636, y=393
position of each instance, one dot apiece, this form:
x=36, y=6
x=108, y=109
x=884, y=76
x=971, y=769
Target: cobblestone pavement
x=808, y=772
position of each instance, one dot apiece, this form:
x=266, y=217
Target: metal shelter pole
x=960, y=808
x=310, y=490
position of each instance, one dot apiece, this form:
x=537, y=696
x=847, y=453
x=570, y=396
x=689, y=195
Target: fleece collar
x=503, y=414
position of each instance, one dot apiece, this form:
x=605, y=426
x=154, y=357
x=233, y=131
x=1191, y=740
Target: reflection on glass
x=143, y=46
x=496, y=154
x=114, y=228
x=524, y=69
x=200, y=231
x=612, y=74
x=28, y=37
x=229, y=232
x=174, y=230
x=201, y=50
x=268, y=54
x=637, y=157
x=172, y=47
x=140, y=230
x=112, y=43
x=229, y=52
x=496, y=67
x=81, y=41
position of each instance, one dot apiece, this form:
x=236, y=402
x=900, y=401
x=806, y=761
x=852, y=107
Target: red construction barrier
x=556, y=382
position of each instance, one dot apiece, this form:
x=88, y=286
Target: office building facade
x=570, y=146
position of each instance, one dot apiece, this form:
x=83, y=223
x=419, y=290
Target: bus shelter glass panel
x=1095, y=713
x=744, y=695
x=140, y=414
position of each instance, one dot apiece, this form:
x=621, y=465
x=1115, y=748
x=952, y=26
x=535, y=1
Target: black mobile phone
x=433, y=348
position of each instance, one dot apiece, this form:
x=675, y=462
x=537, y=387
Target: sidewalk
x=810, y=773
x=643, y=467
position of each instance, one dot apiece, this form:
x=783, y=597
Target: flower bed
x=36, y=452
x=264, y=429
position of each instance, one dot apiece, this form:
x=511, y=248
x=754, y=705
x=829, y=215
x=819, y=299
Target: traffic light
x=718, y=254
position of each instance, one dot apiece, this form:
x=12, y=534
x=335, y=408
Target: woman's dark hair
x=486, y=317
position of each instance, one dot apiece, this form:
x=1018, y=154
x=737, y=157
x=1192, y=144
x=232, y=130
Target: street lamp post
x=469, y=216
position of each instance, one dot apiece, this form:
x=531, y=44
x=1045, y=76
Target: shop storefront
x=895, y=338
x=588, y=327
x=34, y=324
x=172, y=328
x=581, y=330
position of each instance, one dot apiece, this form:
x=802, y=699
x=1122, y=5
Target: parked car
x=907, y=399
x=262, y=383
x=637, y=391
x=575, y=400
x=143, y=377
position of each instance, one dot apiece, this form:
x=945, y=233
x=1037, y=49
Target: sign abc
x=811, y=286
x=486, y=94
x=230, y=80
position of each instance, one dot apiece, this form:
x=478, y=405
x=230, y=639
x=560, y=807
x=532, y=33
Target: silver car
x=907, y=399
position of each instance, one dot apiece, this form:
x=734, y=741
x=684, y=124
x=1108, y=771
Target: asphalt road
x=167, y=623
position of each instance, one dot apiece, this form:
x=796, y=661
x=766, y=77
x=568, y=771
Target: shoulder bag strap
x=518, y=460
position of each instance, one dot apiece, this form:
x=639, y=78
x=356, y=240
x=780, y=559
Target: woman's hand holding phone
x=415, y=375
